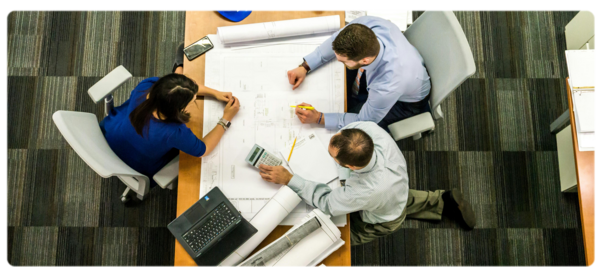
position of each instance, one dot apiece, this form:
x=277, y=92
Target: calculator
x=258, y=155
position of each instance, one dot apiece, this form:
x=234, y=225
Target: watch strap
x=305, y=65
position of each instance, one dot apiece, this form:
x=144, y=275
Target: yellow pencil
x=303, y=107
x=293, y=145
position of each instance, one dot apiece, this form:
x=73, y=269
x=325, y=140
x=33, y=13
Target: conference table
x=584, y=164
x=197, y=25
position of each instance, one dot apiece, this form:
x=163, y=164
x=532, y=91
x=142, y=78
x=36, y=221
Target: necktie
x=356, y=84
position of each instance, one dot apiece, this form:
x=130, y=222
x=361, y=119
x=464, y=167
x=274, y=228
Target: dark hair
x=356, y=42
x=168, y=97
x=355, y=147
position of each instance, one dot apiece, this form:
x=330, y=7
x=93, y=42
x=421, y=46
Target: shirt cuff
x=296, y=183
x=313, y=59
x=331, y=121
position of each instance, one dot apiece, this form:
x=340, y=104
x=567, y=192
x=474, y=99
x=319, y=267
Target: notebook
x=310, y=159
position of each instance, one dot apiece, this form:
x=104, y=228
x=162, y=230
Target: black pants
x=400, y=110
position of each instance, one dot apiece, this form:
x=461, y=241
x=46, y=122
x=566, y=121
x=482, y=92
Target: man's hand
x=296, y=76
x=275, y=174
x=308, y=116
x=223, y=96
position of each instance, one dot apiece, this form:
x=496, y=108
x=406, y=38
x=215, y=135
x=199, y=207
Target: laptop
x=211, y=229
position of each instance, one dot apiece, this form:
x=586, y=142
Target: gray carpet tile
x=34, y=246
x=493, y=144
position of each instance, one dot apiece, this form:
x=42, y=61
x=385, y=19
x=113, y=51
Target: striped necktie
x=356, y=84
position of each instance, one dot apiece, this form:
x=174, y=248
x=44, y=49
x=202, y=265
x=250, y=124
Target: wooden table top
x=584, y=162
x=198, y=25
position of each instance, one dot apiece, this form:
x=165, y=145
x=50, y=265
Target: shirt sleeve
x=336, y=202
x=375, y=109
x=185, y=140
x=143, y=87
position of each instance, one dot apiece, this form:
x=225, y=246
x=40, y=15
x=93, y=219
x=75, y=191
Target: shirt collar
x=374, y=64
x=369, y=166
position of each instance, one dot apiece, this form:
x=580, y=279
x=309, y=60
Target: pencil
x=304, y=107
x=292, y=149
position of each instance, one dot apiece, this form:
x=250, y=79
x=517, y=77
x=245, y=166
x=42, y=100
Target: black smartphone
x=198, y=48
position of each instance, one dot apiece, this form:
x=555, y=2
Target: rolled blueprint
x=278, y=207
x=278, y=29
x=309, y=250
x=283, y=243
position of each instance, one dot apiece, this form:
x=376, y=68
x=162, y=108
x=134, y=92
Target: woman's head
x=168, y=97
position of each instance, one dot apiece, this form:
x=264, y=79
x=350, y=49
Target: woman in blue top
x=148, y=130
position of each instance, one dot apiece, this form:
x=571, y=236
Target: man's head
x=356, y=46
x=351, y=148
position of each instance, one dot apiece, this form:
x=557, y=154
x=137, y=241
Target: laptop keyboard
x=210, y=227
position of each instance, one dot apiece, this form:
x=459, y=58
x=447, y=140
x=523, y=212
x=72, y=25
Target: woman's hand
x=223, y=96
x=231, y=109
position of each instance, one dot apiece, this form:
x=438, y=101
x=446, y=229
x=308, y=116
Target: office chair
x=82, y=132
x=441, y=42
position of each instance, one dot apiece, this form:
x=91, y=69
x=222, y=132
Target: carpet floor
x=493, y=143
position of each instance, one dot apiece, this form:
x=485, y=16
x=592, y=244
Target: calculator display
x=254, y=154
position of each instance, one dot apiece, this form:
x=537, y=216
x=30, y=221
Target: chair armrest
x=109, y=83
x=167, y=174
x=412, y=126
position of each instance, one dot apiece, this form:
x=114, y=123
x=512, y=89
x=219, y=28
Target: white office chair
x=82, y=132
x=441, y=42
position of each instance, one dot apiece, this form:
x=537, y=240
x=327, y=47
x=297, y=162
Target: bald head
x=351, y=147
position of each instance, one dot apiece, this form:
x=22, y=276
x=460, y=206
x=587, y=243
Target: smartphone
x=198, y=48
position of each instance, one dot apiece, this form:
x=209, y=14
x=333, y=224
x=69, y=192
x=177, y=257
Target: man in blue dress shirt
x=386, y=77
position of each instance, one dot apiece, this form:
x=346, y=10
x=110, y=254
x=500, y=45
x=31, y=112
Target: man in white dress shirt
x=376, y=193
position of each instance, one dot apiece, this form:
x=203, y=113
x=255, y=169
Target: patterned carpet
x=494, y=144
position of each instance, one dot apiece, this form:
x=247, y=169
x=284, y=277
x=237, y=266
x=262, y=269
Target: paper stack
x=580, y=64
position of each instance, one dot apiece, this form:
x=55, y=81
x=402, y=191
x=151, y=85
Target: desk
x=584, y=163
x=198, y=25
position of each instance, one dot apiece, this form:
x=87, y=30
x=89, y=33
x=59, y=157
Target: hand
x=296, y=76
x=307, y=116
x=223, y=96
x=231, y=109
x=275, y=174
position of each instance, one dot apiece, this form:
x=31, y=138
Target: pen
x=303, y=107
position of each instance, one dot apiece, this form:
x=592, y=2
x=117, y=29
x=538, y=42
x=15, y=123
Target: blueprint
x=258, y=78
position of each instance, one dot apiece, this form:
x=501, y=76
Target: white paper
x=580, y=64
x=258, y=78
x=352, y=15
x=584, y=106
x=278, y=29
x=586, y=141
x=310, y=159
x=400, y=18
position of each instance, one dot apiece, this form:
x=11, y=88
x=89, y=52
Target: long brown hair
x=168, y=97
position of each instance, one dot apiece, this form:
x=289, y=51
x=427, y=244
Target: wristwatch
x=224, y=123
x=305, y=66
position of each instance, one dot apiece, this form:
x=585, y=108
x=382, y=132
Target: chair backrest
x=441, y=42
x=82, y=132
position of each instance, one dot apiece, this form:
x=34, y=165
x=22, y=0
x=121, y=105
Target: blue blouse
x=161, y=142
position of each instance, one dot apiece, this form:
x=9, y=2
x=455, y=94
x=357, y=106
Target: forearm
x=212, y=138
x=318, y=195
x=206, y=91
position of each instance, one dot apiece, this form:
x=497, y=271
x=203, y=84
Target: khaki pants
x=424, y=205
